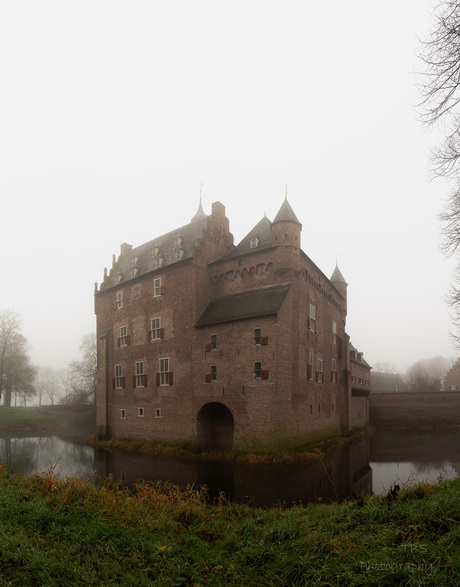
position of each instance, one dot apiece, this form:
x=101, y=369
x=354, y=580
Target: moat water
x=370, y=466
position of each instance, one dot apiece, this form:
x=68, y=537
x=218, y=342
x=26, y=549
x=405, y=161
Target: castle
x=226, y=346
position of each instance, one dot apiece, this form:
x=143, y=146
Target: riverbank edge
x=57, y=531
x=311, y=453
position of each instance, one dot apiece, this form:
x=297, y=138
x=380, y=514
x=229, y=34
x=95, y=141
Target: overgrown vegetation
x=306, y=454
x=67, y=531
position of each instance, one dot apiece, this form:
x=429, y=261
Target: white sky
x=112, y=113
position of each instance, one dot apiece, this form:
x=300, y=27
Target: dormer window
x=177, y=242
x=134, y=260
x=155, y=251
x=253, y=243
x=134, y=271
x=158, y=261
x=118, y=277
x=178, y=253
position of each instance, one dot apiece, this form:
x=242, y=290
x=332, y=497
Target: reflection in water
x=35, y=455
x=369, y=466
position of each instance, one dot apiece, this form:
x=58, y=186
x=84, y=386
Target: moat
x=369, y=466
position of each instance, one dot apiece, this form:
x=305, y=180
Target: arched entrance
x=215, y=426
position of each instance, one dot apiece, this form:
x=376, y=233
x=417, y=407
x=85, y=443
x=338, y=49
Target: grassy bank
x=305, y=454
x=72, y=420
x=56, y=532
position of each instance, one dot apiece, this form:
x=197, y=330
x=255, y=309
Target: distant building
x=452, y=379
x=203, y=341
x=360, y=387
x=388, y=383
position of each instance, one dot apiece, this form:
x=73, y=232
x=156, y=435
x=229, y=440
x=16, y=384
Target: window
x=158, y=288
x=122, y=414
x=334, y=332
x=165, y=375
x=155, y=251
x=257, y=336
x=213, y=372
x=453, y=387
x=361, y=377
x=134, y=260
x=118, y=277
x=177, y=242
x=133, y=271
x=119, y=381
x=213, y=341
x=253, y=243
x=157, y=412
x=310, y=364
x=230, y=276
x=124, y=338
x=334, y=371
x=178, y=254
x=158, y=261
x=119, y=300
x=140, y=378
x=312, y=319
x=156, y=332
x=319, y=370
x=260, y=271
x=258, y=370
x=140, y=412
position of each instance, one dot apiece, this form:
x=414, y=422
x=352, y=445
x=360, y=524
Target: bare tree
x=47, y=384
x=16, y=370
x=384, y=367
x=83, y=374
x=427, y=374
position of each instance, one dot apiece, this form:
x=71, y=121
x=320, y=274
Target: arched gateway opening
x=215, y=426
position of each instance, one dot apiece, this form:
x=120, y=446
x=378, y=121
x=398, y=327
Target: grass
x=46, y=420
x=55, y=531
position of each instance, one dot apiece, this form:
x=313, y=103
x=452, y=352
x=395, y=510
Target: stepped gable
x=262, y=301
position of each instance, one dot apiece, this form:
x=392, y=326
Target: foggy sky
x=113, y=113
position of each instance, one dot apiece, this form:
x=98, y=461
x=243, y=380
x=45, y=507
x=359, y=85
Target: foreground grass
x=56, y=532
x=46, y=420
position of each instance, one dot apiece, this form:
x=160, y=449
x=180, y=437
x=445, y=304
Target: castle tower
x=286, y=228
x=339, y=281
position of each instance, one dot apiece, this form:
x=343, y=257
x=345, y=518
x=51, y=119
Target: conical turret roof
x=337, y=276
x=200, y=213
x=286, y=214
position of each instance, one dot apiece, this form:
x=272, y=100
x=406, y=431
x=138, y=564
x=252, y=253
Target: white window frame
x=334, y=332
x=155, y=327
x=140, y=412
x=312, y=321
x=157, y=285
x=119, y=300
x=163, y=369
x=319, y=370
x=123, y=335
x=157, y=412
x=118, y=376
x=122, y=414
x=140, y=373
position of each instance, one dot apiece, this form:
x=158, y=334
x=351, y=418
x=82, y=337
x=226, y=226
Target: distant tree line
x=21, y=382
x=423, y=375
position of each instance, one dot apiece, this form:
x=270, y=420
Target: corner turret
x=286, y=228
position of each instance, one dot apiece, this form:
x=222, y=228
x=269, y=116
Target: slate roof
x=262, y=230
x=262, y=301
x=337, y=276
x=387, y=383
x=190, y=234
x=286, y=214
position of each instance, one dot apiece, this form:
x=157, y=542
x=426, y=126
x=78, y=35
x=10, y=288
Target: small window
x=178, y=254
x=158, y=261
x=118, y=277
x=133, y=271
x=119, y=300
x=334, y=332
x=453, y=387
x=213, y=372
x=253, y=243
x=258, y=370
x=311, y=409
x=155, y=251
x=334, y=371
x=177, y=242
x=155, y=329
x=257, y=336
x=140, y=412
x=118, y=377
x=123, y=414
x=312, y=320
x=140, y=374
x=158, y=287
x=134, y=260
x=123, y=335
x=164, y=372
x=319, y=370
x=157, y=412
x=213, y=342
